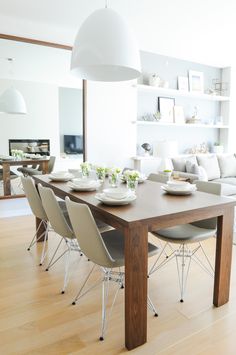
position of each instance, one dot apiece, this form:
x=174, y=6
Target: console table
x=6, y=173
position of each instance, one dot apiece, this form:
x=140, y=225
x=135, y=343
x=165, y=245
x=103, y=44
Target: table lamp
x=165, y=150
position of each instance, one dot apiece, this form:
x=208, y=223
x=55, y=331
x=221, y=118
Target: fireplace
x=30, y=146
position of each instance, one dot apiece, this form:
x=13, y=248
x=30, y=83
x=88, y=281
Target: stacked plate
x=116, y=196
x=61, y=176
x=179, y=188
x=84, y=184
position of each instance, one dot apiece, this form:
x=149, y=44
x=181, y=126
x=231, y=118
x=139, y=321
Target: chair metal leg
x=105, y=292
x=34, y=239
x=67, y=263
x=44, y=252
x=152, y=307
x=79, y=295
x=52, y=261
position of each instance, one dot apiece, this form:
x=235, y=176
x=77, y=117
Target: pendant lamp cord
x=106, y=5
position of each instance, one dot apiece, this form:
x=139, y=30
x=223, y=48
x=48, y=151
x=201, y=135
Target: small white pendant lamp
x=12, y=102
x=105, y=49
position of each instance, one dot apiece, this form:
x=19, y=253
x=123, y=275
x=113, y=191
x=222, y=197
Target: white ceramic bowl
x=59, y=174
x=116, y=193
x=178, y=184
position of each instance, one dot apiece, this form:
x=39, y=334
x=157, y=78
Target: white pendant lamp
x=105, y=49
x=12, y=102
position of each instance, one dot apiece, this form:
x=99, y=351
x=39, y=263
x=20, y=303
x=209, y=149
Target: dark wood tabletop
x=154, y=209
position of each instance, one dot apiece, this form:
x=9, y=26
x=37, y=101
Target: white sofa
x=209, y=167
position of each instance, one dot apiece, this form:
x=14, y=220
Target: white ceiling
x=197, y=30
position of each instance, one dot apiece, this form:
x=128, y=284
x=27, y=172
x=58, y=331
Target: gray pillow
x=210, y=164
x=227, y=165
x=179, y=164
x=197, y=170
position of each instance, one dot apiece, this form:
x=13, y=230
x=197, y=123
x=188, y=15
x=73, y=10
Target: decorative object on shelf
x=105, y=48
x=165, y=107
x=218, y=148
x=198, y=149
x=179, y=114
x=165, y=150
x=183, y=83
x=220, y=87
x=147, y=148
x=196, y=83
x=154, y=80
x=150, y=117
x=164, y=84
x=194, y=119
x=211, y=91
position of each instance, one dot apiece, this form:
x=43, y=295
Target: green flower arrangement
x=85, y=169
x=132, y=177
x=114, y=175
x=101, y=172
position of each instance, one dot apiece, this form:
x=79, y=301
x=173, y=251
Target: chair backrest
x=87, y=233
x=210, y=188
x=33, y=197
x=158, y=178
x=51, y=164
x=54, y=212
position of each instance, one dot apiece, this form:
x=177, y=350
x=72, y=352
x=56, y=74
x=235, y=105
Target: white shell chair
x=185, y=235
x=61, y=225
x=37, y=209
x=105, y=250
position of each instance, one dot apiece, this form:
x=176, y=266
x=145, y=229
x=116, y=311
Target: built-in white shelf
x=179, y=93
x=189, y=125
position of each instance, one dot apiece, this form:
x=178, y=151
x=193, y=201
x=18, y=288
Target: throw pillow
x=197, y=170
x=227, y=165
x=211, y=166
x=179, y=164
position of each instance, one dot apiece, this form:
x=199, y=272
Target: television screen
x=73, y=144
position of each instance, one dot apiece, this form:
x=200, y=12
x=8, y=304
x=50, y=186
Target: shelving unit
x=188, y=125
x=178, y=93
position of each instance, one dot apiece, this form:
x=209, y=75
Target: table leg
x=6, y=179
x=136, y=256
x=45, y=167
x=42, y=229
x=224, y=244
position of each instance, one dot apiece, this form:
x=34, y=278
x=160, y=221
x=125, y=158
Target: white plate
x=83, y=188
x=168, y=190
x=116, y=193
x=61, y=178
x=110, y=201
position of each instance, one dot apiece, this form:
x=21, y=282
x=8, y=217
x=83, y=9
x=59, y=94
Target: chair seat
x=186, y=233
x=114, y=241
x=29, y=171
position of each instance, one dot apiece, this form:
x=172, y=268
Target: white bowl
x=59, y=174
x=116, y=193
x=178, y=184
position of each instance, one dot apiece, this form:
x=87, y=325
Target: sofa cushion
x=190, y=161
x=227, y=180
x=228, y=189
x=227, y=165
x=210, y=164
x=197, y=170
x=179, y=164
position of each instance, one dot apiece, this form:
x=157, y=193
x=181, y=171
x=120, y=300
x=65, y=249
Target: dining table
x=6, y=172
x=154, y=209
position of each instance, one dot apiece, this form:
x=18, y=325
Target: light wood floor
x=36, y=319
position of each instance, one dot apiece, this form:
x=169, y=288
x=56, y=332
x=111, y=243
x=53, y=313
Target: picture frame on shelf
x=183, y=83
x=166, y=109
x=179, y=114
x=196, y=81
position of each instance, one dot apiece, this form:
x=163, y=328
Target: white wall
x=111, y=135
x=41, y=121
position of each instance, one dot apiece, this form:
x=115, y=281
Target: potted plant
x=218, y=148
x=167, y=172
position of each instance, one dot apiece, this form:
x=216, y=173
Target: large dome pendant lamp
x=105, y=49
x=11, y=100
